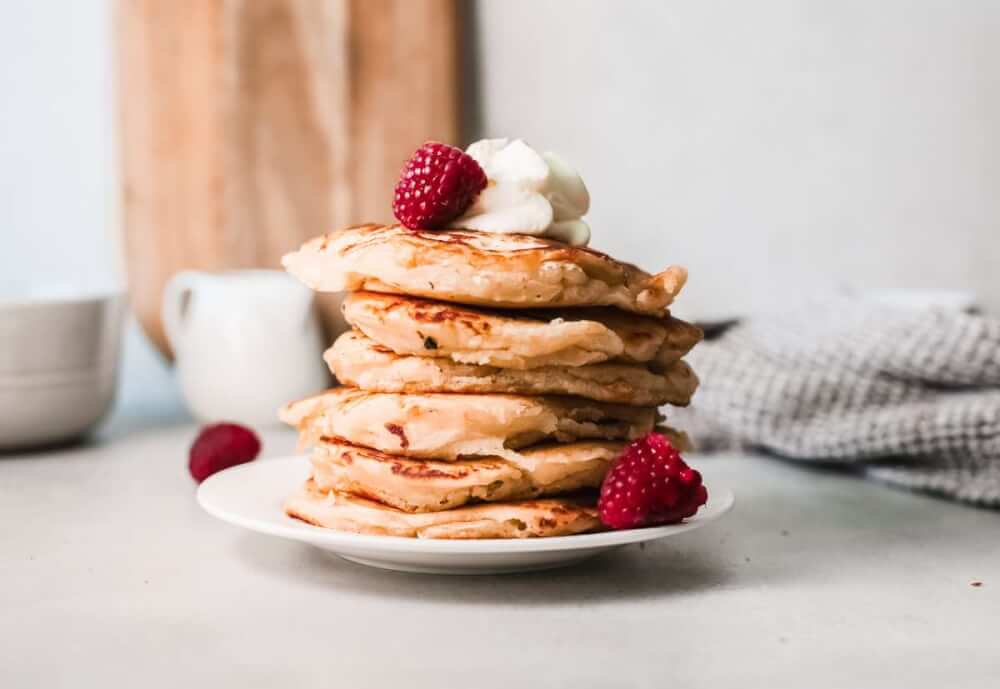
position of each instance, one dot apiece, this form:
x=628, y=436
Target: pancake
x=450, y=426
x=521, y=340
x=505, y=270
x=521, y=519
x=674, y=337
x=424, y=485
x=358, y=361
x=420, y=485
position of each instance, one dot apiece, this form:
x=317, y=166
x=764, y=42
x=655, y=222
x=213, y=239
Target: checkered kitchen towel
x=911, y=397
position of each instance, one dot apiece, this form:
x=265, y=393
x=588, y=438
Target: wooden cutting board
x=249, y=126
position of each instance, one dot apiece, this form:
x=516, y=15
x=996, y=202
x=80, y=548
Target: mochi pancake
x=359, y=361
x=522, y=339
x=504, y=270
x=518, y=519
x=450, y=426
x=426, y=485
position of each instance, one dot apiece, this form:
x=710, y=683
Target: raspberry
x=650, y=484
x=437, y=184
x=219, y=447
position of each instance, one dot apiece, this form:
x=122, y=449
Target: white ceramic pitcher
x=245, y=342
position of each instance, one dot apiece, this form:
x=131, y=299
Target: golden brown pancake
x=425, y=485
x=522, y=339
x=451, y=426
x=519, y=519
x=513, y=271
x=674, y=337
x=358, y=361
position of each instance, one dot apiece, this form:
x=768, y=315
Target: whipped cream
x=527, y=193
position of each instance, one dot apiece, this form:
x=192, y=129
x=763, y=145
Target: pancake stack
x=487, y=385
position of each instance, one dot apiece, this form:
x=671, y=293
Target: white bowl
x=58, y=365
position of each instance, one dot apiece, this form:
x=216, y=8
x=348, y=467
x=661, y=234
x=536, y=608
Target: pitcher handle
x=176, y=303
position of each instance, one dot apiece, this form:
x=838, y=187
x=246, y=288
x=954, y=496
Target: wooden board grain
x=249, y=126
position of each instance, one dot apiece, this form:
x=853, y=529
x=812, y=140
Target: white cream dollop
x=527, y=193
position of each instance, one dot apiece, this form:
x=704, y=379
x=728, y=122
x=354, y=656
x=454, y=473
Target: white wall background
x=59, y=213
x=774, y=147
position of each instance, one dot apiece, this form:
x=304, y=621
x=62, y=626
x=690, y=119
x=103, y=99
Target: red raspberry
x=219, y=447
x=650, y=484
x=437, y=184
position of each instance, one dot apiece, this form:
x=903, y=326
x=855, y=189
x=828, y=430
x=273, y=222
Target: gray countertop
x=111, y=576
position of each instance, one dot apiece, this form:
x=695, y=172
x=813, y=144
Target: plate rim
x=721, y=501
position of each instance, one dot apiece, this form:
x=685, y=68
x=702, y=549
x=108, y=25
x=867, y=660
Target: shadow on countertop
x=630, y=573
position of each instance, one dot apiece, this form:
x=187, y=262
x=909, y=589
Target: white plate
x=250, y=495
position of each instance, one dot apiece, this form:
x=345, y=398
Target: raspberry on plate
x=437, y=184
x=219, y=447
x=650, y=484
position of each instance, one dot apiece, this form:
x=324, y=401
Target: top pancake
x=511, y=271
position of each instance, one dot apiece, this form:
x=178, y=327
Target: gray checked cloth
x=910, y=397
